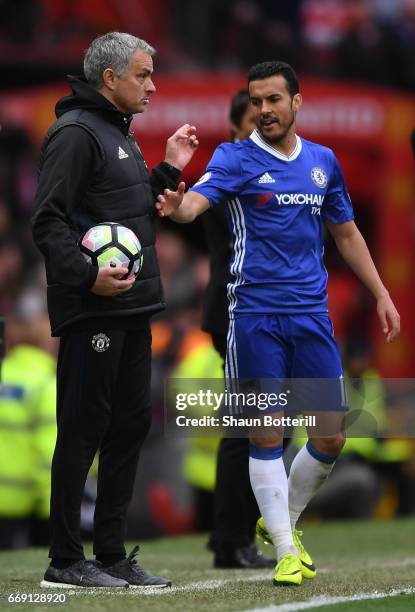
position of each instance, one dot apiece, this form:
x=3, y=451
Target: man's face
x=131, y=92
x=274, y=108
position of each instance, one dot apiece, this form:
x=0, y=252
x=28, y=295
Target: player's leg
x=120, y=448
x=235, y=508
x=270, y=486
x=85, y=381
x=256, y=352
x=310, y=469
x=316, y=356
x=119, y=454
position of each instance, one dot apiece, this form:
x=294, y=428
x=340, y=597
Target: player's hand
x=109, y=283
x=168, y=202
x=181, y=146
x=389, y=318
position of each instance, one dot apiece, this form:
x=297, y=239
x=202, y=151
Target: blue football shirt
x=277, y=207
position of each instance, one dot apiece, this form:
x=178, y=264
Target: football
x=110, y=245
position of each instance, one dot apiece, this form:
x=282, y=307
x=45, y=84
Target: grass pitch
x=363, y=567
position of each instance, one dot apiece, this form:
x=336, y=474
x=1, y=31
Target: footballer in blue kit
x=277, y=206
x=282, y=191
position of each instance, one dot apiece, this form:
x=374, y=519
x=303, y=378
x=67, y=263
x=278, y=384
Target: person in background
x=235, y=508
x=27, y=432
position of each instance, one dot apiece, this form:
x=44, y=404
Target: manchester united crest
x=100, y=342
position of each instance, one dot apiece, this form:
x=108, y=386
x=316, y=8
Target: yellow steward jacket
x=25, y=372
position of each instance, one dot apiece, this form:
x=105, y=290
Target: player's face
x=131, y=92
x=274, y=108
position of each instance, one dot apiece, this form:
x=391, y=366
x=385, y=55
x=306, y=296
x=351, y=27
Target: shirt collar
x=258, y=139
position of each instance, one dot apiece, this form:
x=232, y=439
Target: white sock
x=309, y=471
x=270, y=486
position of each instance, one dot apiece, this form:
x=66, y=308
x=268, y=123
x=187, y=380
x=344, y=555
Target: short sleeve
x=337, y=206
x=222, y=178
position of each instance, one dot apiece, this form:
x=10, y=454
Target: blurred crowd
x=370, y=41
x=359, y=40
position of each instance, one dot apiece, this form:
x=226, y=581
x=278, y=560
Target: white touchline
x=322, y=600
x=207, y=585
x=265, y=576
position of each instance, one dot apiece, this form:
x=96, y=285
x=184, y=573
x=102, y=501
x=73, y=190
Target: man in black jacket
x=91, y=171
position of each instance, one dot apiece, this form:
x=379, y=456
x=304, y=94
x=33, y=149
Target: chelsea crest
x=319, y=177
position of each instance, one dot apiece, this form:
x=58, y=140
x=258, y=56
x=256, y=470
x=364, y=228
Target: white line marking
x=263, y=576
x=207, y=585
x=405, y=562
x=322, y=600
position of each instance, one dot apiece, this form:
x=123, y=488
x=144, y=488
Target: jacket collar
x=84, y=96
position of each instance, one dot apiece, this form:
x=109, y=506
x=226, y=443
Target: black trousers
x=235, y=507
x=103, y=402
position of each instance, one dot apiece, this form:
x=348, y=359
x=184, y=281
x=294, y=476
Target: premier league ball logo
x=319, y=177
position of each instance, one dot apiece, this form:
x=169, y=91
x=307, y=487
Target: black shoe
x=129, y=570
x=248, y=557
x=80, y=574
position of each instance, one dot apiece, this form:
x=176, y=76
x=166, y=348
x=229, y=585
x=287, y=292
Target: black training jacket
x=219, y=242
x=91, y=170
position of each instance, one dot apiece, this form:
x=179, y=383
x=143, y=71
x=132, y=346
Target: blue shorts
x=285, y=346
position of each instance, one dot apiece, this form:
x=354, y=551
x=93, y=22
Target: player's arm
x=222, y=179
x=354, y=251
x=181, y=207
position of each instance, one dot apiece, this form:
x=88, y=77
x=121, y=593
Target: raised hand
x=168, y=202
x=181, y=146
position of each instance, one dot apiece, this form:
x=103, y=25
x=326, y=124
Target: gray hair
x=113, y=50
